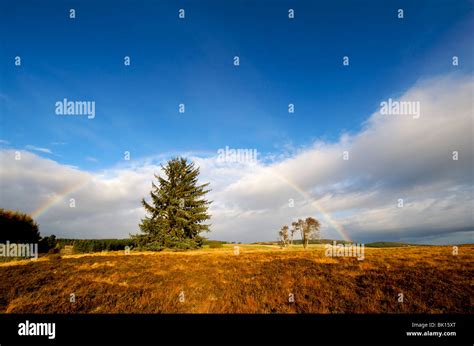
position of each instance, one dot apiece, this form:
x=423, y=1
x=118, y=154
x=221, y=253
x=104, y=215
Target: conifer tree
x=18, y=227
x=178, y=208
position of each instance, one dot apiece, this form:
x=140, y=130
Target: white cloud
x=92, y=159
x=41, y=150
x=393, y=157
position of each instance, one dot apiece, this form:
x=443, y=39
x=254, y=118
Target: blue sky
x=190, y=61
x=282, y=61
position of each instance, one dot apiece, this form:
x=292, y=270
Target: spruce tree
x=178, y=209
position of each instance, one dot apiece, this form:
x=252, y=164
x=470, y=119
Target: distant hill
x=377, y=244
x=390, y=244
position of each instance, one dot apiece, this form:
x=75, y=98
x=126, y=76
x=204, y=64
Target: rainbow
x=51, y=202
x=327, y=216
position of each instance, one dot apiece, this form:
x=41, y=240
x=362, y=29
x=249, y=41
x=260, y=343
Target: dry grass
x=259, y=280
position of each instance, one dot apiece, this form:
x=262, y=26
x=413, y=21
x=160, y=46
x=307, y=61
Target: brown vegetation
x=259, y=280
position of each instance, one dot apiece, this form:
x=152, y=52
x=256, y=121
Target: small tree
x=284, y=236
x=309, y=229
x=178, y=209
x=293, y=231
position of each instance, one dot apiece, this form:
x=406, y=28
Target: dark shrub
x=97, y=245
x=47, y=243
x=53, y=251
x=215, y=244
x=18, y=227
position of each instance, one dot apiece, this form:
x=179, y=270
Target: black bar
x=386, y=329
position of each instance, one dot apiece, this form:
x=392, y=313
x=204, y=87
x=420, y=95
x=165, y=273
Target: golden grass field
x=258, y=280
